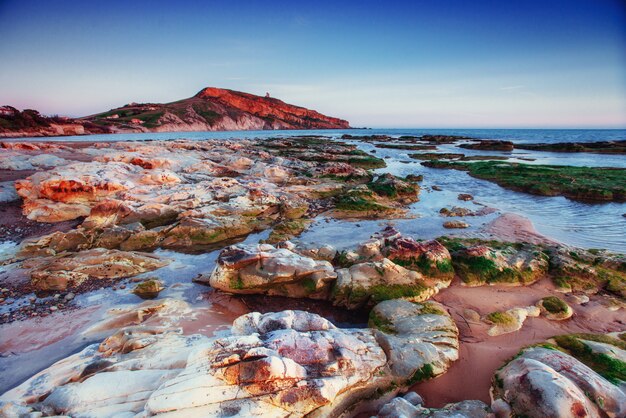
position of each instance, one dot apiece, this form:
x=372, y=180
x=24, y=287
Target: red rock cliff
x=267, y=107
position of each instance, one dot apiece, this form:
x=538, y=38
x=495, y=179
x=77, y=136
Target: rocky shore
x=213, y=306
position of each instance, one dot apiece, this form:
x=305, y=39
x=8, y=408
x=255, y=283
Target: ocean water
x=515, y=135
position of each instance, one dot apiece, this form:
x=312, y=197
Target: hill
x=211, y=109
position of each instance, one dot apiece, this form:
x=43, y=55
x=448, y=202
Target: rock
x=436, y=188
x=465, y=197
x=148, y=289
x=264, y=269
x=70, y=271
x=543, y=381
x=503, y=263
x=419, y=339
x=456, y=212
x=575, y=269
x=554, y=308
x=471, y=315
x=283, y=364
x=489, y=145
x=131, y=364
x=369, y=283
x=390, y=186
x=280, y=364
x=455, y=225
x=430, y=258
x=509, y=321
x=410, y=406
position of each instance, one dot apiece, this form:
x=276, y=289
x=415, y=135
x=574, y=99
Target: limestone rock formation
x=543, y=381
x=284, y=364
x=411, y=406
x=509, y=264
x=70, y=271
x=264, y=269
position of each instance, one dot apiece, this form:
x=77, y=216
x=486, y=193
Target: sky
x=387, y=64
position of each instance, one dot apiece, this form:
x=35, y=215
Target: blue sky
x=422, y=63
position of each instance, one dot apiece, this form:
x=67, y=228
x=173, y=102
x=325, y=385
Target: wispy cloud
x=519, y=87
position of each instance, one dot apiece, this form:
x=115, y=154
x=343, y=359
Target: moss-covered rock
x=420, y=339
x=578, y=270
x=372, y=282
x=555, y=308
x=504, y=322
x=577, y=183
x=148, y=289
x=502, y=263
x=392, y=187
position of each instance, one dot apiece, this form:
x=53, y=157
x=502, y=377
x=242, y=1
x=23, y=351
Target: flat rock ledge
x=283, y=364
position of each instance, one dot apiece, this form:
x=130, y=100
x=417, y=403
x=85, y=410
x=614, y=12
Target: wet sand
x=515, y=228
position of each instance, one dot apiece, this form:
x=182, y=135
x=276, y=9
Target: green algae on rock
x=148, y=289
x=487, y=262
x=555, y=308
x=575, y=269
x=576, y=183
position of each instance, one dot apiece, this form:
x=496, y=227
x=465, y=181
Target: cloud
x=512, y=87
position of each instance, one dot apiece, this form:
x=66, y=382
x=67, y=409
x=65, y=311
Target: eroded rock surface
x=543, y=381
x=265, y=269
x=478, y=263
x=369, y=278
x=70, y=271
x=411, y=406
x=284, y=364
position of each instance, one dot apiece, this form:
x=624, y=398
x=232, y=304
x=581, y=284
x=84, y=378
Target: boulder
x=510, y=320
x=501, y=263
x=555, y=308
x=130, y=365
x=455, y=225
x=578, y=270
x=148, y=289
x=429, y=258
x=411, y=406
x=419, y=339
x=265, y=269
x=543, y=381
x=369, y=283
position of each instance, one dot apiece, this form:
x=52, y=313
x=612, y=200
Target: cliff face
x=212, y=109
x=272, y=110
